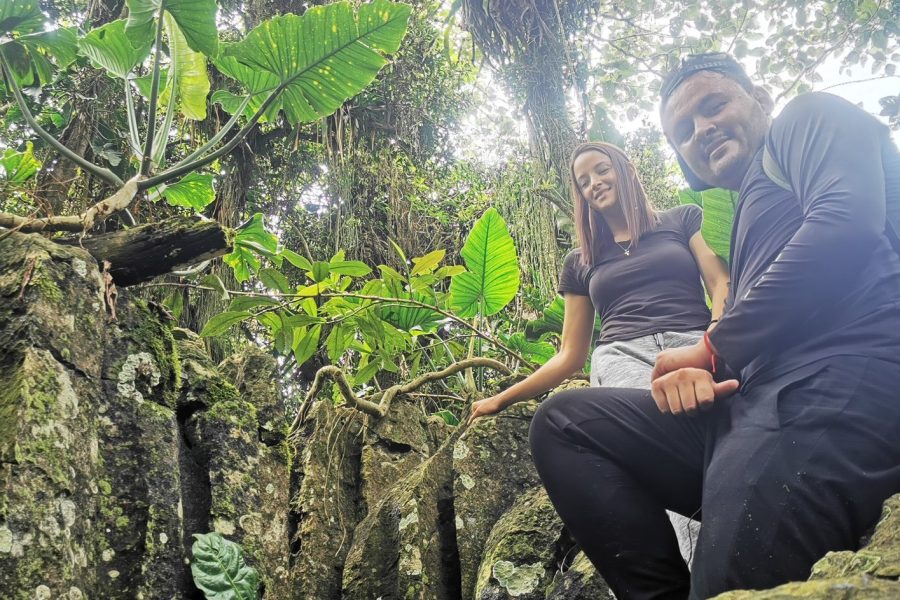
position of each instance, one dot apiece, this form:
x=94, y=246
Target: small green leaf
x=243, y=262
x=19, y=167
x=353, y=268
x=320, y=271
x=215, y=282
x=301, y=262
x=174, y=302
x=428, y=263
x=275, y=280
x=449, y=271
x=255, y=232
x=365, y=374
x=338, y=341
x=110, y=48
x=448, y=417
x=194, y=190
x=221, y=323
x=387, y=273
x=305, y=345
x=219, y=570
x=245, y=303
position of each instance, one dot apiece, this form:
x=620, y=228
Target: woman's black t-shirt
x=657, y=287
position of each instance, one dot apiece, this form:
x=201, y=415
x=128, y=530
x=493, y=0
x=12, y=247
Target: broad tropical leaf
x=718, y=214
x=110, y=48
x=194, y=190
x=551, y=320
x=191, y=79
x=259, y=84
x=325, y=56
x=408, y=318
x=29, y=55
x=196, y=18
x=219, y=570
x=18, y=167
x=492, y=279
x=20, y=16
x=538, y=351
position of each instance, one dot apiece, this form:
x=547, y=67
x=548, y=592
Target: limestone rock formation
x=491, y=468
x=114, y=450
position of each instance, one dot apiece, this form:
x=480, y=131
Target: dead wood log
x=147, y=251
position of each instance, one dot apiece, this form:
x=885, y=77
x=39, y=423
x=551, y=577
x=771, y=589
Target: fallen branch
x=80, y=223
x=147, y=251
x=377, y=404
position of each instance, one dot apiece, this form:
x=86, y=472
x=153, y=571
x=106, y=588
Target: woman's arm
x=715, y=276
x=578, y=326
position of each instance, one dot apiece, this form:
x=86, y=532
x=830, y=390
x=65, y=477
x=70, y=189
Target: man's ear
x=761, y=95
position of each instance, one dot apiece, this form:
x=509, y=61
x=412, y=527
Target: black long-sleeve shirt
x=813, y=274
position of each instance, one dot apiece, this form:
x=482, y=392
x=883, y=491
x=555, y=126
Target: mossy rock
x=395, y=445
x=325, y=506
x=525, y=548
x=580, y=581
x=404, y=549
x=492, y=468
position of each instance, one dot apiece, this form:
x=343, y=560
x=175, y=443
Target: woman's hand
x=488, y=406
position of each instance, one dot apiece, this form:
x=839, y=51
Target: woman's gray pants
x=628, y=364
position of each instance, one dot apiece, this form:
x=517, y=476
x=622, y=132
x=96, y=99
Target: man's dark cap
x=717, y=62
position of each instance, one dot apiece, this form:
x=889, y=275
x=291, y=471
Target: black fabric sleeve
x=573, y=279
x=829, y=151
x=691, y=219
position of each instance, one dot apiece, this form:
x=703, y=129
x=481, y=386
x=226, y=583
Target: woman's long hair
x=590, y=226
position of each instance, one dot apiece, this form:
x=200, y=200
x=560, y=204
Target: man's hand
x=689, y=389
x=687, y=357
x=488, y=406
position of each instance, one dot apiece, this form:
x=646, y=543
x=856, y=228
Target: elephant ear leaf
x=492, y=279
x=718, y=214
x=20, y=16
x=324, y=57
x=195, y=18
x=219, y=570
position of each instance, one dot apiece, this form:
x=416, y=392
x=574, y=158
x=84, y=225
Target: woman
x=639, y=269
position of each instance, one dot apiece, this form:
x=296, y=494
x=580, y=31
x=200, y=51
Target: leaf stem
x=104, y=174
x=199, y=152
x=232, y=143
x=154, y=97
x=134, y=136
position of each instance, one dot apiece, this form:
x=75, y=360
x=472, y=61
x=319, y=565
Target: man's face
x=716, y=126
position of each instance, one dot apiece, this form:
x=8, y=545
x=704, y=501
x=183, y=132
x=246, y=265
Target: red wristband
x=711, y=350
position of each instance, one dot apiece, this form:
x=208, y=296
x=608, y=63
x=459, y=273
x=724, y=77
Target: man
x=798, y=460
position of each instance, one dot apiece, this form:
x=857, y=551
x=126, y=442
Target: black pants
x=784, y=472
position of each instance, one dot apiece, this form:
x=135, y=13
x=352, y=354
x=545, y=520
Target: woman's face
x=596, y=180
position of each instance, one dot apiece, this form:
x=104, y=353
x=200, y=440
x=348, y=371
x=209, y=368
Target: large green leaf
x=18, y=167
x=259, y=84
x=492, y=279
x=196, y=18
x=718, y=214
x=326, y=56
x=110, y=48
x=29, y=54
x=408, y=318
x=20, y=16
x=191, y=79
x=219, y=570
x=222, y=322
x=194, y=190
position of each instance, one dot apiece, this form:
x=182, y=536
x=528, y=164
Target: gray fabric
x=628, y=364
